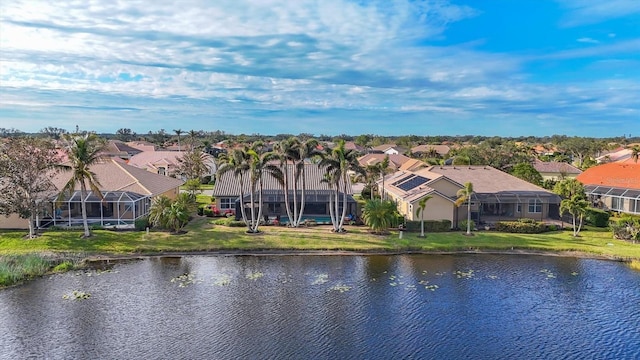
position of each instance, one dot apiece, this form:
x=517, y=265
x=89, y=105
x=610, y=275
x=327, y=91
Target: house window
x=535, y=206
x=519, y=208
x=227, y=203
x=162, y=171
x=617, y=203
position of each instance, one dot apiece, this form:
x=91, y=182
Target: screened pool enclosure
x=115, y=208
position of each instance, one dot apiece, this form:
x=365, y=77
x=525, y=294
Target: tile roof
x=228, y=185
x=115, y=175
x=486, y=179
x=555, y=167
x=619, y=175
x=440, y=149
x=148, y=159
x=395, y=160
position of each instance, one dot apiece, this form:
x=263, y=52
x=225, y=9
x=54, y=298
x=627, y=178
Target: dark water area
x=329, y=307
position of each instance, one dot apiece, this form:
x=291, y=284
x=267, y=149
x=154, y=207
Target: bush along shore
x=64, y=250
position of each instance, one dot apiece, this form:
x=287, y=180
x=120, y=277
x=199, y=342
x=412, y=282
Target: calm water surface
x=330, y=307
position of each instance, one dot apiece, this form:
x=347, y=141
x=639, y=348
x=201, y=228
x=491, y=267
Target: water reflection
x=436, y=306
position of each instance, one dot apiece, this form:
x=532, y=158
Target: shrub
x=597, y=217
x=626, y=228
x=236, y=223
x=64, y=266
x=430, y=225
x=552, y=227
x=205, y=179
x=141, y=224
x=521, y=227
x=208, y=212
x=463, y=225
x=222, y=221
x=527, y=221
x=201, y=210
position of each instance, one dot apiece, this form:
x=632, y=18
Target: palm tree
x=378, y=214
x=422, y=204
x=382, y=169
x=158, y=211
x=635, y=153
x=338, y=164
x=305, y=150
x=464, y=195
x=178, y=132
x=84, y=151
x=258, y=161
x=577, y=207
x=236, y=161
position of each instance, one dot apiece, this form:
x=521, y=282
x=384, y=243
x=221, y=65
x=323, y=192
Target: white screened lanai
x=115, y=208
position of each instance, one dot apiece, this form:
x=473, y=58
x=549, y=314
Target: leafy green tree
x=422, y=204
x=194, y=164
x=635, y=153
x=577, y=207
x=26, y=165
x=464, y=196
x=83, y=151
x=379, y=214
x=527, y=172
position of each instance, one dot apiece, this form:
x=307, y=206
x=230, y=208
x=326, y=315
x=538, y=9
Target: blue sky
x=388, y=67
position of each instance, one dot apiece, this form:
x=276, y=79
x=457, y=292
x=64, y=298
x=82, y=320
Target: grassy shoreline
x=202, y=237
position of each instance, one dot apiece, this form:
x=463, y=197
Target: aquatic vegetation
x=320, y=279
x=492, y=277
x=574, y=273
x=254, y=275
x=222, y=280
x=550, y=275
x=635, y=264
x=14, y=269
x=410, y=287
x=431, y=287
x=340, y=288
x=64, y=266
x=464, y=274
x=185, y=280
x=76, y=295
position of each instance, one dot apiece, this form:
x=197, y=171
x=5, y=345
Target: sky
x=324, y=67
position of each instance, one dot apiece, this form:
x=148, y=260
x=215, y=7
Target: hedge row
x=429, y=225
x=521, y=227
x=596, y=217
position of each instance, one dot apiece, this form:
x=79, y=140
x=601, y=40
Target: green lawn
x=201, y=235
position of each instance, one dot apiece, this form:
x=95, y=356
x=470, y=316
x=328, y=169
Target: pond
x=329, y=307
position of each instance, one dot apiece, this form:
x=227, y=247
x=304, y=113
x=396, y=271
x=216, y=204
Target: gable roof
x=148, y=159
x=395, y=160
x=487, y=179
x=229, y=185
x=115, y=175
x=440, y=149
x=618, y=175
x=555, y=167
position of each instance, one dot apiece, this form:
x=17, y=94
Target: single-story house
x=431, y=150
x=556, y=170
x=127, y=193
x=497, y=195
x=396, y=161
x=165, y=162
x=227, y=191
x=613, y=186
x=389, y=149
x=120, y=149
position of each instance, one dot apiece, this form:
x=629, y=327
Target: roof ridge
x=136, y=180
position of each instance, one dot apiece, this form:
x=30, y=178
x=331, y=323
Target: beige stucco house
x=497, y=195
x=127, y=193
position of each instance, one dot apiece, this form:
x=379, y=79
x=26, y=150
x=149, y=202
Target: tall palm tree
x=338, y=164
x=284, y=151
x=236, y=161
x=257, y=161
x=178, y=132
x=305, y=150
x=83, y=151
x=577, y=207
x=382, y=170
x=422, y=204
x=464, y=195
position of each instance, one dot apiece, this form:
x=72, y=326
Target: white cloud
x=588, y=40
x=583, y=12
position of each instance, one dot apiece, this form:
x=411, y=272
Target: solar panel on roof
x=413, y=183
x=395, y=183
